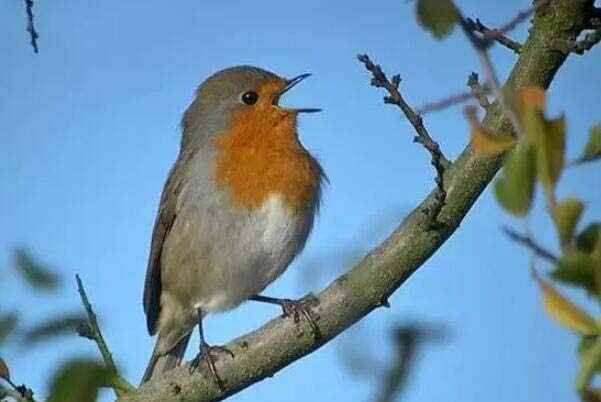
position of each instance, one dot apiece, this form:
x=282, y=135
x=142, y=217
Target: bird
x=237, y=207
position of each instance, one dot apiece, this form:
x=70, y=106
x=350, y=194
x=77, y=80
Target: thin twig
x=394, y=97
x=522, y=16
x=444, y=103
x=92, y=331
x=478, y=91
x=493, y=34
x=480, y=45
x=588, y=366
x=529, y=242
x=30, y=27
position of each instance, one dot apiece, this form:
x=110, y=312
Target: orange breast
x=261, y=155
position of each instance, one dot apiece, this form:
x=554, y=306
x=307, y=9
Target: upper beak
x=289, y=85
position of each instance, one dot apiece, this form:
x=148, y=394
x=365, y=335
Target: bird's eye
x=250, y=97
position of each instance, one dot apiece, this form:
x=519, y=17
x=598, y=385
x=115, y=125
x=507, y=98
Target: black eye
x=250, y=97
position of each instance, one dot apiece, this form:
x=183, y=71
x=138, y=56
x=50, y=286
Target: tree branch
x=529, y=242
x=494, y=34
x=33, y=35
x=478, y=91
x=394, y=97
x=278, y=343
x=445, y=102
x=92, y=331
x=481, y=48
x=580, y=46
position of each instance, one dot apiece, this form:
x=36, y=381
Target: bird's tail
x=159, y=364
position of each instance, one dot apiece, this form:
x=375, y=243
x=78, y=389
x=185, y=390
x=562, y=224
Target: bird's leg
x=207, y=354
x=294, y=309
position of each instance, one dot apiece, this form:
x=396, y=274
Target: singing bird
x=237, y=208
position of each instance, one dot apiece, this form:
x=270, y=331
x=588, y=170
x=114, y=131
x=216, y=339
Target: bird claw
x=208, y=354
x=296, y=308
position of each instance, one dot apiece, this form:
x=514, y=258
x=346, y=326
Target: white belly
x=254, y=254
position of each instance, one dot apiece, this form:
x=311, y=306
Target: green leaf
x=8, y=322
x=35, y=274
x=515, y=188
x=4, y=371
x=590, y=360
x=67, y=324
x=547, y=136
x=532, y=107
x=588, y=238
x=566, y=216
x=577, y=268
x=437, y=16
x=78, y=380
x=584, y=347
x=550, y=153
x=592, y=150
x=565, y=312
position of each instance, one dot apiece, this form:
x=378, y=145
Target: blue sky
x=89, y=129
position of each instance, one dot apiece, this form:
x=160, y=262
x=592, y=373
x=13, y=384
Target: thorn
x=384, y=303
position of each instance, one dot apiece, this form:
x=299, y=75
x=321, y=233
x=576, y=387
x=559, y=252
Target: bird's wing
x=166, y=215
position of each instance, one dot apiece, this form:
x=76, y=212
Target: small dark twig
x=493, y=34
x=92, y=331
x=478, y=90
x=489, y=36
x=531, y=244
x=586, y=44
x=379, y=80
x=30, y=27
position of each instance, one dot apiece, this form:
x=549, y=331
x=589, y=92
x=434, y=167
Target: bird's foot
x=298, y=308
x=208, y=355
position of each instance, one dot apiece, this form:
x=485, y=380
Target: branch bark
x=280, y=342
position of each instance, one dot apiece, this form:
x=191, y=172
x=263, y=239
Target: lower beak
x=289, y=85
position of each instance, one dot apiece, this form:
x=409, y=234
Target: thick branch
x=280, y=342
x=580, y=46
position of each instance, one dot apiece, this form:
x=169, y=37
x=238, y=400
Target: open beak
x=289, y=85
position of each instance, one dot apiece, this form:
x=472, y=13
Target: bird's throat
x=260, y=155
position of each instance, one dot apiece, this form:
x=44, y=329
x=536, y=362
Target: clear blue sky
x=89, y=129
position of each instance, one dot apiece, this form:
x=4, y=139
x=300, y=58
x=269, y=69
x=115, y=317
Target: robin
x=237, y=208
